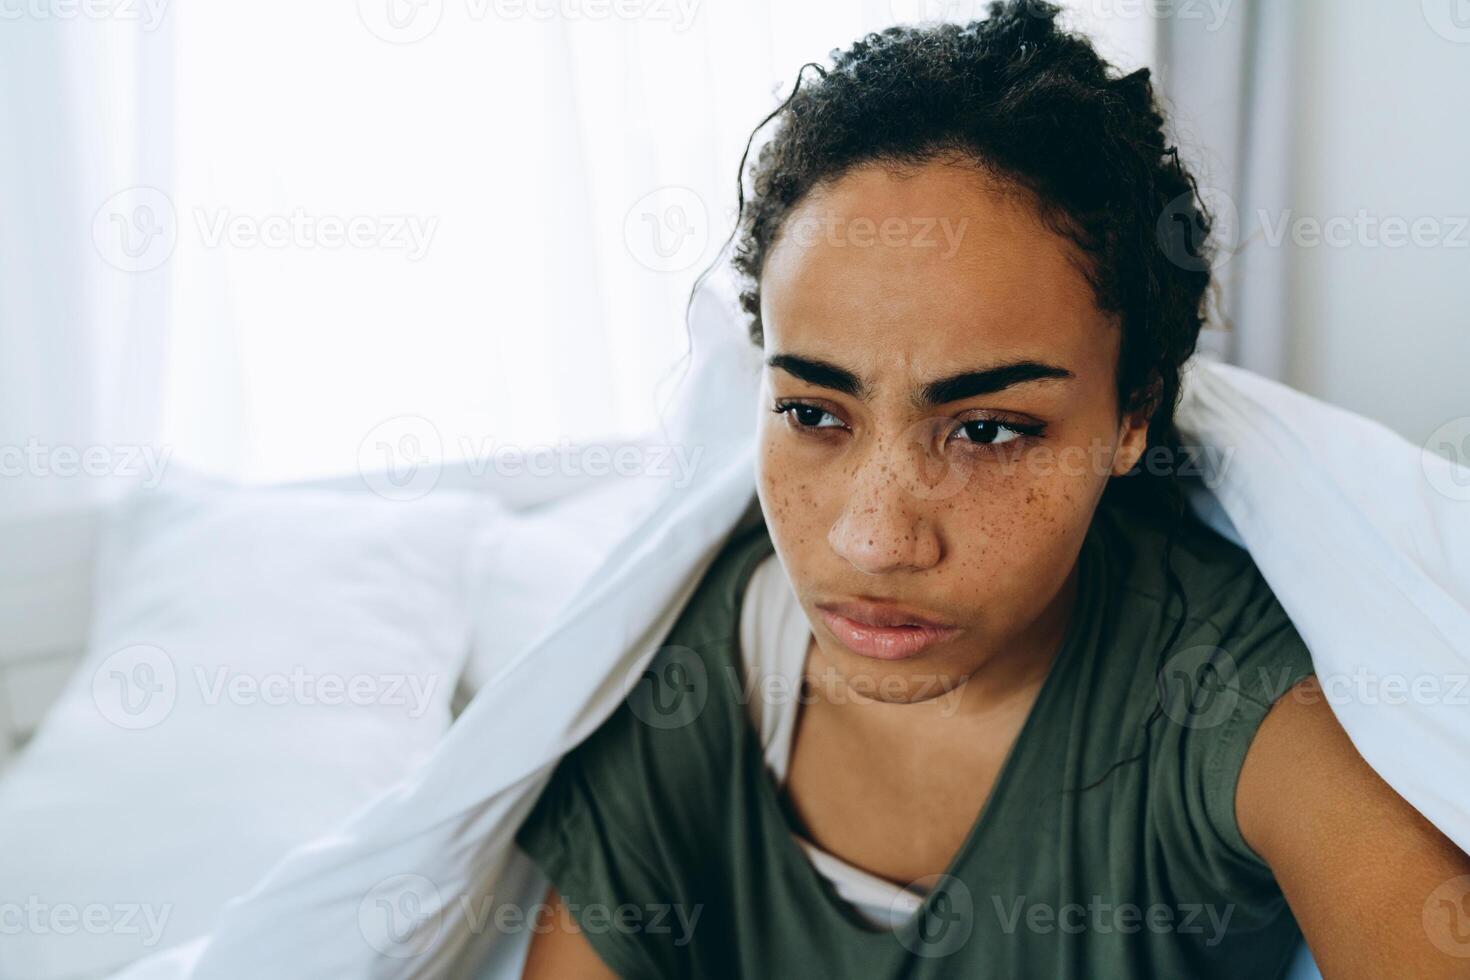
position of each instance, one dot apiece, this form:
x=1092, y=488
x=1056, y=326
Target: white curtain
x=322, y=230
x=1228, y=74
x=537, y=194
x=84, y=109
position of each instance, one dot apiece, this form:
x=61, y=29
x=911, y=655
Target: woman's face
x=938, y=420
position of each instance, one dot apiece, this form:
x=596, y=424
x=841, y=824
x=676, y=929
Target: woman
x=1045, y=723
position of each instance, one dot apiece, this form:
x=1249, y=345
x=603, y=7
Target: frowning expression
x=938, y=420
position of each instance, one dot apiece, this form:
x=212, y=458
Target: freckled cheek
x=795, y=490
x=1013, y=527
x=987, y=518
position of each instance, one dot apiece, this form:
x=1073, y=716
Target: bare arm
x=1376, y=888
x=558, y=948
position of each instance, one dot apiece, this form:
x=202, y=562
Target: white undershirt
x=774, y=636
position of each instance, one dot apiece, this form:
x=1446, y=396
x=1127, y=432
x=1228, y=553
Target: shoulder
x=1221, y=651
x=1181, y=563
x=1304, y=789
x=1207, y=603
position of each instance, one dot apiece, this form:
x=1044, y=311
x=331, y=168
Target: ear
x=1132, y=441
x=1133, y=427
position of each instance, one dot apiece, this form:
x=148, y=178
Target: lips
x=870, y=613
x=884, y=631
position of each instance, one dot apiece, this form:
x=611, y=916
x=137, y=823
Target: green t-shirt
x=1108, y=847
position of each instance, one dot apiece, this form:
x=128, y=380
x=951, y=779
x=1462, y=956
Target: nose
x=883, y=527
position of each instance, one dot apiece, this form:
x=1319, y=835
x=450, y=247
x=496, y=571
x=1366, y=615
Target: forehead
x=937, y=265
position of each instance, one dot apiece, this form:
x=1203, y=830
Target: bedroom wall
x=1385, y=330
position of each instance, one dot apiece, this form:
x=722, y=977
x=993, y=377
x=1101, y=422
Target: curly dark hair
x=1037, y=107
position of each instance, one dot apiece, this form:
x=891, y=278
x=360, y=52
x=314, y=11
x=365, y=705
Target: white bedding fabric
x=262, y=662
x=1343, y=517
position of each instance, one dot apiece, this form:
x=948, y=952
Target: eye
x=805, y=416
x=994, y=432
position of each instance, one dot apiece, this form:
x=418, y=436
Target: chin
x=910, y=681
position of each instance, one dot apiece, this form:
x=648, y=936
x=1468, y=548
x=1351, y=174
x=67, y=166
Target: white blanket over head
x=1364, y=538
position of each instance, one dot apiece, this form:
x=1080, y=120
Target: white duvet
x=1364, y=538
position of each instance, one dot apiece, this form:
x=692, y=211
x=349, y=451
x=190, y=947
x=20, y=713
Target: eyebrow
x=953, y=388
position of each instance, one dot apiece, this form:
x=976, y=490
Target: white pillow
x=262, y=663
